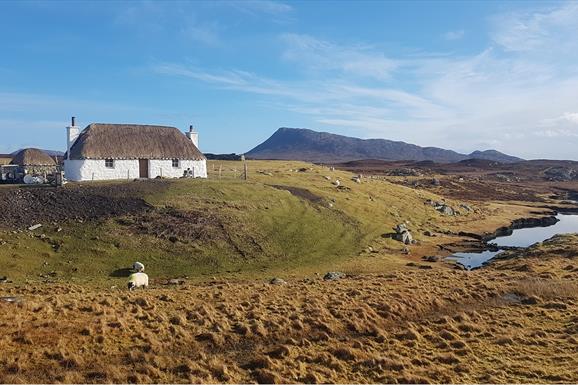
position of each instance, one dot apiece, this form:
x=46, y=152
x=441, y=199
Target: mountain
x=312, y=146
x=494, y=155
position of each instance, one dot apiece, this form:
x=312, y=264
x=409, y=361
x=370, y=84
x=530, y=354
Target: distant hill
x=494, y=155
x=210, y=156
x=312, y=146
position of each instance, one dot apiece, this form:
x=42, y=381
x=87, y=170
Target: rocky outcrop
x=560, y=173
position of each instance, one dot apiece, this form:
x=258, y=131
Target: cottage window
x=109, y=163
x=176, y=163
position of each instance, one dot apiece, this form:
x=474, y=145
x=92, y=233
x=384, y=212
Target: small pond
x=519, y=238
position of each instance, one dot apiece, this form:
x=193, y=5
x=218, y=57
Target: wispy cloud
x=511, y=95
x=454, y=35
x=551, y=28
x=322, y=55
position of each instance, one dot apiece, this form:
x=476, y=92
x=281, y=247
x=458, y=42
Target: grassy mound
x=288, y=216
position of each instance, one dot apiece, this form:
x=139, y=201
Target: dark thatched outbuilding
x=33, y=157
x=133, y=141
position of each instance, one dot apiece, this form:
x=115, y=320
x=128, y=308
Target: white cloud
x=513, y=95
x=552, y=29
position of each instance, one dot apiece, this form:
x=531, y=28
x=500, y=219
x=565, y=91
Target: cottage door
x=143, y=168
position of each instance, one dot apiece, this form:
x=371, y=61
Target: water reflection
x=520, y=238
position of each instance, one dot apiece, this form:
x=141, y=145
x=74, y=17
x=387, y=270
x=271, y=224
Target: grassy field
x=514, y=322
x=288, y=218
x=386, y=322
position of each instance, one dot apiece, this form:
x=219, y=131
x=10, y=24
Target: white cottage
x=129, y=151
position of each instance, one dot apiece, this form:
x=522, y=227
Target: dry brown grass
x=407, y=326
x=501, y=324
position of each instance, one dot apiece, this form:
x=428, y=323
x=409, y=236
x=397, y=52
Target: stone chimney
x=72, y=133
x=193, y=136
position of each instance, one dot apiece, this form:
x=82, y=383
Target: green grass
x=264, y=230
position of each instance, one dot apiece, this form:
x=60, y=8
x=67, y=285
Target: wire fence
x=228, y=169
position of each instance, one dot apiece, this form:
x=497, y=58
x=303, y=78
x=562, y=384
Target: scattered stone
x=411, y=264
x=445, y=209
x=555, y=305
x=466, y=207
x=5, y=279
x=431, y=258
x=333, y=275
x=11, y=299
x=176, y=281
x=532, y=300
x=278, y=281
x=428, y=233
x=37, y=226
x=402, y=234
x=425, y=267
x=405, y=251
x=436, y=182
x=404, y=172
x=560, y=173
x=327, y=177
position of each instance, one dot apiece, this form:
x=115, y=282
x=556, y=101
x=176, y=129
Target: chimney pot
x=73, y=119
x=191, y=128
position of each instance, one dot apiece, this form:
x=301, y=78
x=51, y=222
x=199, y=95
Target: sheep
x=138, y=267
x=137, y=280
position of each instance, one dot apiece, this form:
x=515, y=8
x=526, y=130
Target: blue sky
x=459, y=75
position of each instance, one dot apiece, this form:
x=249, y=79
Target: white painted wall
x=95, y=169
x=72, y=133
x=165, y=168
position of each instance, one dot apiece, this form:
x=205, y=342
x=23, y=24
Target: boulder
x=278, y=281
x=404, y=237
x=431, y=258
x=11, y=299
x=445, y=209
x=400, y=228
x=333, y=275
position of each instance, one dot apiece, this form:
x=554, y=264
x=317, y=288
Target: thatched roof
x=133, y=141
x=33, y=157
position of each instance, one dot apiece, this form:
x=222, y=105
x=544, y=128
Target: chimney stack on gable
x=72, y=133
x=193, y=136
